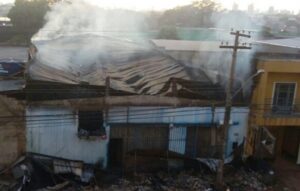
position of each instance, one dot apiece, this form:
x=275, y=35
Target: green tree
x=266, y=32
x=27, y=17
x=168, y=33
x=196, y=14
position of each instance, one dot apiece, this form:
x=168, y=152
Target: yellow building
x=274, y=122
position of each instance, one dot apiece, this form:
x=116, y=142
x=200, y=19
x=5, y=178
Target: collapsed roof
x=135, y=68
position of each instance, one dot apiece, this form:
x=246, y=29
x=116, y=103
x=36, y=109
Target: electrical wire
x=135, y=109
x=61, y=119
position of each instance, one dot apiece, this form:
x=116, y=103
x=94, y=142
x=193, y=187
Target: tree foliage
x=196, y=14
x=168, y=33
x=27, y=16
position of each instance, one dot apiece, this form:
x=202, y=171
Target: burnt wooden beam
x=107, y=86
x=174, y=88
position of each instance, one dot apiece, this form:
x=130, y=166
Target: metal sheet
x=63, y=167
x=177, y=139
x=201, y=116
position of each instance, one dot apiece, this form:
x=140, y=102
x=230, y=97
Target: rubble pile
x=245, y=180
x=36, y=173
x=236, y=180
x=186, y=180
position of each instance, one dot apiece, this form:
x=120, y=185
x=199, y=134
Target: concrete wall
x=12, y=131
x=275, y=71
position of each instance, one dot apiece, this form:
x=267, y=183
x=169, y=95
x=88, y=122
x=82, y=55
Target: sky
x=262, y=5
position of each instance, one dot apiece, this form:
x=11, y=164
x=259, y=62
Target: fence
x=157, y=146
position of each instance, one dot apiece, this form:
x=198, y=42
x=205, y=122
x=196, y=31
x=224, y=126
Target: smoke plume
x=217, y=62
x=78, y=16
x=78, y=20
x=78, y=33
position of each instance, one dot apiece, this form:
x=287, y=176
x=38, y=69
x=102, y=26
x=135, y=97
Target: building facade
x=100, y=137
x=275, y=112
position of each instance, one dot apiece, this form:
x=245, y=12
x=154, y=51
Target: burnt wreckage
x=113, y=102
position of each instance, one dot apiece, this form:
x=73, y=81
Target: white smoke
x=220, y=62
x=78, y=16
x=246, y=23
x=78, y=33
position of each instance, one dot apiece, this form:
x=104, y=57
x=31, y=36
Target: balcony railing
x=282, y=109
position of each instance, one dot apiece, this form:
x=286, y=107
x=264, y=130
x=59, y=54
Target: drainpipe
x=106, y=105
x=105, y=124
x=213, y=128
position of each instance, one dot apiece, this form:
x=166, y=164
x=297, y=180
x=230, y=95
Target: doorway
x=115, y=154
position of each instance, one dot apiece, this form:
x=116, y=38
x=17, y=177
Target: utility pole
x=228, y=103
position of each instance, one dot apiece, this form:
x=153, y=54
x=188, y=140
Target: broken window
x=283, y=98
x=90, y=123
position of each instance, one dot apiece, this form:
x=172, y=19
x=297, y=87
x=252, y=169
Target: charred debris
x=41, y=173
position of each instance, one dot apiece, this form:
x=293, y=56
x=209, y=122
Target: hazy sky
x=293, y=5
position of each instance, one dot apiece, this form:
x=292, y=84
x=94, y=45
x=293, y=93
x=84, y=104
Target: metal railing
x=282, y=109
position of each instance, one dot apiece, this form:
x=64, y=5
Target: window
x=283, y=98
x=90, y=123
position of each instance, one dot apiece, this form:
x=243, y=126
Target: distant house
x=5, y=22
x=12, y=66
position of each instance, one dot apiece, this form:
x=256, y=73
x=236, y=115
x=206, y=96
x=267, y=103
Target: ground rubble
x=35, y=174
x=162, y=181
x=186, y=180
x=245, y=180
x=239, y=180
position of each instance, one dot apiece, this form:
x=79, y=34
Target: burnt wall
x=139, y=137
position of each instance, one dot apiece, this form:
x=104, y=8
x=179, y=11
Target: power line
x=194, y=109
x=114, y=112
x=141, y=110
x=134, y=117
x=62, y=118
x=44, y=123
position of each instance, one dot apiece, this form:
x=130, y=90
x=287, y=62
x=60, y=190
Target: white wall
x=53, y=131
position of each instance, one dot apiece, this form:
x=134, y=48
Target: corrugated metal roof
x=135, y=68
x=287, y=42
x=184, y=45
x=269, y=46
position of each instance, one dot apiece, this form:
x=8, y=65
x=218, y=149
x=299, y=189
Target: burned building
x=124, y=100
